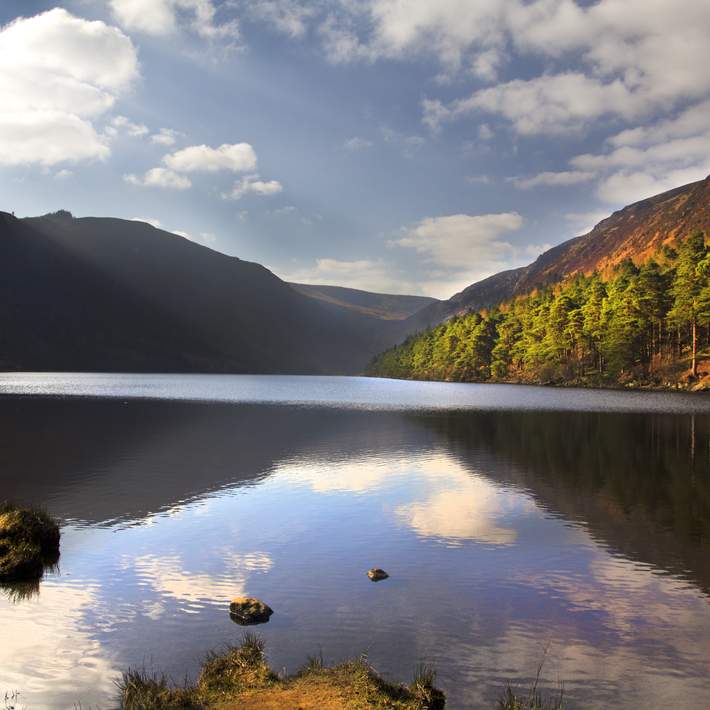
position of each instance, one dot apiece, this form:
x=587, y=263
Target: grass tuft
x=534, y=700
x=423, y=688
x=241, y=676
x=29, y=541
x=140, y=690
x=239, y=668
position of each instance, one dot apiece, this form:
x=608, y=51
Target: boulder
x=247, y=610
x=376, y=574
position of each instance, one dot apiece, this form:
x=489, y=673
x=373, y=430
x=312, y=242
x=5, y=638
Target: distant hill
x=101, y=294
x=635, y=232
x=378, y=305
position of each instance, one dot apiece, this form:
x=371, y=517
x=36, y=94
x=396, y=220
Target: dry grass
x=241, y=678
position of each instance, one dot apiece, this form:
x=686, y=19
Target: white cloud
x=165, y=136
x=121, y=124
x=646, y=160
x=356, y=143
x=63, y=174
x=58, y=73
x=252, y=185
x=624, y=188
x=365, y=274
x=446, y=29
x=550, y=179
x=238, y=157
x=164, y=17
x=456, y=251
x=160, y=177
x=289, y=17
x=148, y=220
x=633, y=58
x=551, y=104
x=463, y=239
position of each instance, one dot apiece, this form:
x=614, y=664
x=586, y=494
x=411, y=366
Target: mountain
x=378, y=305
x=102, y=294
x=630, y=307
x=634, y=232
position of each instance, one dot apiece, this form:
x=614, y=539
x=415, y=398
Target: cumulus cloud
x=160, y=177
x=238, y=157
x=646, y=160
x=290, y=17
x=455, y=251
x=459, y=239
x=551, y=179
x=121, y=124
x=252, y=185
x=365, y=274
x=636, y=59
x=164, y=17
x=552, y=104
x=58, y=73
x=165, y=136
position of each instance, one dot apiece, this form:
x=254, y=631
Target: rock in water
x=247, y=610
x=376, y=574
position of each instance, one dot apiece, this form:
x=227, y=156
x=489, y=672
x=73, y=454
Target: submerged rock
x=247, y=610
x=376, y=574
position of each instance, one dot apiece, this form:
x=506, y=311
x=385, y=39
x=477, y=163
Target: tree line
x=627, y=324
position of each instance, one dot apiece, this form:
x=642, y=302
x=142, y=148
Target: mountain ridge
x=105, y=294
x=386, y=306
x=636, y=231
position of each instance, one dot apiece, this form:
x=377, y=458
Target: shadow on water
x=639, y=482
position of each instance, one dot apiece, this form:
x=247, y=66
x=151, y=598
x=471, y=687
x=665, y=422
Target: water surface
x=515, y=526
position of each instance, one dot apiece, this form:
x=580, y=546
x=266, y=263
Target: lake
x=519, y=526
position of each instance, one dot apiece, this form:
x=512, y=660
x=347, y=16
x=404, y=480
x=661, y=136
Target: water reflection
x=507, y=535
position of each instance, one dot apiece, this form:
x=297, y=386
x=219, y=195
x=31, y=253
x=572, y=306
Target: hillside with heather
x=627, y=304
x=636, y=232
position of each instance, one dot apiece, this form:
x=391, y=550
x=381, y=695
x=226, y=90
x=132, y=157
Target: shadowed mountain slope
x=102, y=294
x=379, y=305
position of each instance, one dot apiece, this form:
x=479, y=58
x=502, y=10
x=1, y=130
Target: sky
x=401, y=146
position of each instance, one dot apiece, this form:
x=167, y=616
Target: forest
x=632, y=324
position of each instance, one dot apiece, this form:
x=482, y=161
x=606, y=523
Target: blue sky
x=393, y=145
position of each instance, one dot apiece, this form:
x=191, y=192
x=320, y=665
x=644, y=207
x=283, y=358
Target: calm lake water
x=518, y=525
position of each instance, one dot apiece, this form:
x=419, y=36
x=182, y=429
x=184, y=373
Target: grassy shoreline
x=241, y=678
